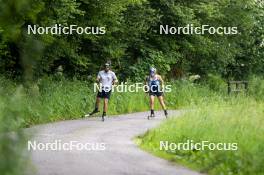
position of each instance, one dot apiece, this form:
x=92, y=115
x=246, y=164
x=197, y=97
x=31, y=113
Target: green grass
x=49, y=100
x=236, y=120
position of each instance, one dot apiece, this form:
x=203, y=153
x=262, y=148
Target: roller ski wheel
x=151, y=116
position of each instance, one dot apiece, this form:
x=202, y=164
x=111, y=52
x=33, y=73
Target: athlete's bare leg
x=97, y=103
x=96, y=108
x=151, y=101
x=161, y=101
x=105, y=105
x=105, y=108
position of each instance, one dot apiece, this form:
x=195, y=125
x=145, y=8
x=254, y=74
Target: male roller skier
x=155, y=84
x=106, y=78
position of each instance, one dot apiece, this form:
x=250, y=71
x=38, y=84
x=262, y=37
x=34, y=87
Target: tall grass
x=217, y=119
x=186, y=94
x=49, y=100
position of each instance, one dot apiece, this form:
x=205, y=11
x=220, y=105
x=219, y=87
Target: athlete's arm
x=115, y=80
x=146, y=85
x=161, y=82
x=98, y=78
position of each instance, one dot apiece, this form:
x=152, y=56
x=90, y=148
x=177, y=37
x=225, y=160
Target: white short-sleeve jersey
x=106, y=79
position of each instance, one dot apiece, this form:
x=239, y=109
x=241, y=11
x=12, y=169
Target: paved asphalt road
x=120, y=157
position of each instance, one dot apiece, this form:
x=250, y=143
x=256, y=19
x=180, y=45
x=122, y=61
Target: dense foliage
x=132, y=41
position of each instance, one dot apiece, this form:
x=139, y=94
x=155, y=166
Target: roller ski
x=152, y=115
x=92, y=113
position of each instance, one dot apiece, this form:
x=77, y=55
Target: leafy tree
x=132, y=41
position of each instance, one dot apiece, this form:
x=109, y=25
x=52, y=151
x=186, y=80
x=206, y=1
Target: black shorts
x=156, y=93
x=104, y=94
